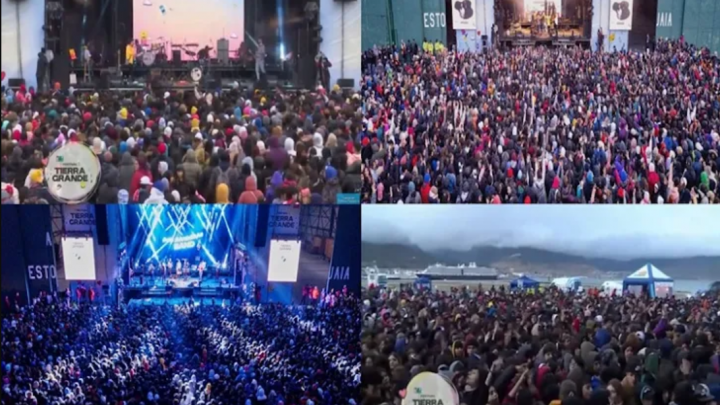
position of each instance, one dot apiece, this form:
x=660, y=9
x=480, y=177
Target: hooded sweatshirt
x=127, y=170
x=318, y=143
x=192, y=168
x=251, y=195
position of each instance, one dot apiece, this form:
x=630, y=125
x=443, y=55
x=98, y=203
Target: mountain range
x=531, y=260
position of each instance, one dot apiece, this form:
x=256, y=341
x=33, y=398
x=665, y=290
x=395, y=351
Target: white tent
x=649, y=279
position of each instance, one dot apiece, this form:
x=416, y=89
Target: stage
x=177, y=78
x=558, y=42
x=114, y=254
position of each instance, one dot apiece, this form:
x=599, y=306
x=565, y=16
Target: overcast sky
x=626, y=232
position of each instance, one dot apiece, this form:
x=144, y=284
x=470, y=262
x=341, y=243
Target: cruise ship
x=460, y=272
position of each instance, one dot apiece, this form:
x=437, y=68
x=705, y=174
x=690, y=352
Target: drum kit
x=157, y=52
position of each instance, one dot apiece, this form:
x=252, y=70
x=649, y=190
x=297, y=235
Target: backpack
x=222, y=178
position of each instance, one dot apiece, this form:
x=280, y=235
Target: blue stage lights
x=182, y=232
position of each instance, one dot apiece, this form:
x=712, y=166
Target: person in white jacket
x=157, y=193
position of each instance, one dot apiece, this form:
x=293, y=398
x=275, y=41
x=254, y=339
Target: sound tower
x=306, y=63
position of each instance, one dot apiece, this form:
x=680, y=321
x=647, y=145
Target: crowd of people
x=541, y=125
x=508, y=347
x=60, y=353
x=231, y=147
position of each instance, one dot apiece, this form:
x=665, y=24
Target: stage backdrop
x=192, y=232
x=464, y=14
x=621, y=15
x=341, y=21
x=190, y=22
x=470, y=40
x=614, y=39
x=345, y=266
x=20, y=49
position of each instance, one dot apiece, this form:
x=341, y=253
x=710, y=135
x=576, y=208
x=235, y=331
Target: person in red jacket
x=653, y=178
x=425, y=189
x=143, y=169
x=251, y=195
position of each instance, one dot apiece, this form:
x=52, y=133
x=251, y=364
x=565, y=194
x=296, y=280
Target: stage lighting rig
x=54, y=10
x=312, y=11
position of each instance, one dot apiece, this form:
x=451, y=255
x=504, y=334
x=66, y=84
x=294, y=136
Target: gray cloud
x=627, y=232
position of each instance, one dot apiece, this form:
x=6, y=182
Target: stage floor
x=517, y=30
x=182, y=282
x=178, y=301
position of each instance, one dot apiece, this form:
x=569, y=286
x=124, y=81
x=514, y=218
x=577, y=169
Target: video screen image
x=188, y=25
x=183, y=232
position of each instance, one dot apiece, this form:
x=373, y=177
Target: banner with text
x=79, y=218
x=36, y=229
x=284, y=220
x=345, y=264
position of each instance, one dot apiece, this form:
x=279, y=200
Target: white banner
x=79, y=218
x=464, y=14
x=285, y=220
x=621, y=15
x=79, y=258
x=430, y=388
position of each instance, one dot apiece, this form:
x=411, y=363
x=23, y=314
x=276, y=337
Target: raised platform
x=555, y=42
x=176, y=77
x=226, y=85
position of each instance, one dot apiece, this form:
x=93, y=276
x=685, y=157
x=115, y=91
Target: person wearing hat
x=332, y=186
x=37, y=191
x=143, y=191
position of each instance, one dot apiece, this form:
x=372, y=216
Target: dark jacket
x=126, y=171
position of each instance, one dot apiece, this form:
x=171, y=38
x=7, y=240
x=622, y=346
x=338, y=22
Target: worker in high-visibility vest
x=130, y=53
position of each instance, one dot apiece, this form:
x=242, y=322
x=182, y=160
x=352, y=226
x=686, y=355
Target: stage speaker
x=262, y=84
x=223, y=51
x=101, y=225
x=306, y=62
x=104, y=83
x=15, y=83
x=177, y=57
x=212, y=82
x=262, y=225
x=346, y=83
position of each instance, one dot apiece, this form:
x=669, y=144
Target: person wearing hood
x=15, y=168
x=108, y=191
x=251, y=195
x=142, y=170
x=126, y=171
x=222, y=194
x=108, y=168
x=191, y=168
x=37, y=191
x=332, y=186
x=277, y=157
x=318, y=144
x=275, y=184
x=199, y=147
